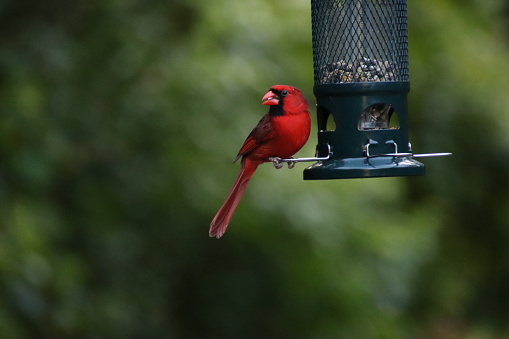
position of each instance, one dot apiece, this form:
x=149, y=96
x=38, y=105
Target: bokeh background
x=119, y=121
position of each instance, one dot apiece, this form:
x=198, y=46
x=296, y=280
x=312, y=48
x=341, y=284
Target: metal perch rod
x=423, y=155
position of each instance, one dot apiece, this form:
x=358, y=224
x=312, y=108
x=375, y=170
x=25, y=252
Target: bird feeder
x=360, y=54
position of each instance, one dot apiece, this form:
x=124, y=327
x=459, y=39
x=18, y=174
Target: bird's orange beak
x=270, y=99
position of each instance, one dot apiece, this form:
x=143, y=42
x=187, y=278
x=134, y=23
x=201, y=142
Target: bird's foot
x=291, y=164
x=276, y=161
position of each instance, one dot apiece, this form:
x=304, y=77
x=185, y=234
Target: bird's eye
x=284, y=92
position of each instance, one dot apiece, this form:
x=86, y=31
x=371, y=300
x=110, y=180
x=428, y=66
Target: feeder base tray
x=364, y=168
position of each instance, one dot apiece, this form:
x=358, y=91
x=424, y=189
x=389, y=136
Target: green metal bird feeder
x=360, y=53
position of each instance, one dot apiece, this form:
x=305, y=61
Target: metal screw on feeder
x=360, y=52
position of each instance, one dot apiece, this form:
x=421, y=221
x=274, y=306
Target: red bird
x=280, y=134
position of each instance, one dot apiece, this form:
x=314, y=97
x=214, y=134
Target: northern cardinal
x=280, y=134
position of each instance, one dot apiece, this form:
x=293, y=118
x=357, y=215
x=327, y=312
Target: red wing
x=262, y=133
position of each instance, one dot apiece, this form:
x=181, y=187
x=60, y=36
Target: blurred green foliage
x=118, y=124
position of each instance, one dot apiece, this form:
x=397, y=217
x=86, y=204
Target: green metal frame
x=348, y=145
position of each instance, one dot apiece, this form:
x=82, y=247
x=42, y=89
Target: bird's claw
x=276, y=161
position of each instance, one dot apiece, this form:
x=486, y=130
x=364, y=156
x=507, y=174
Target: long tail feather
x=222, y=219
